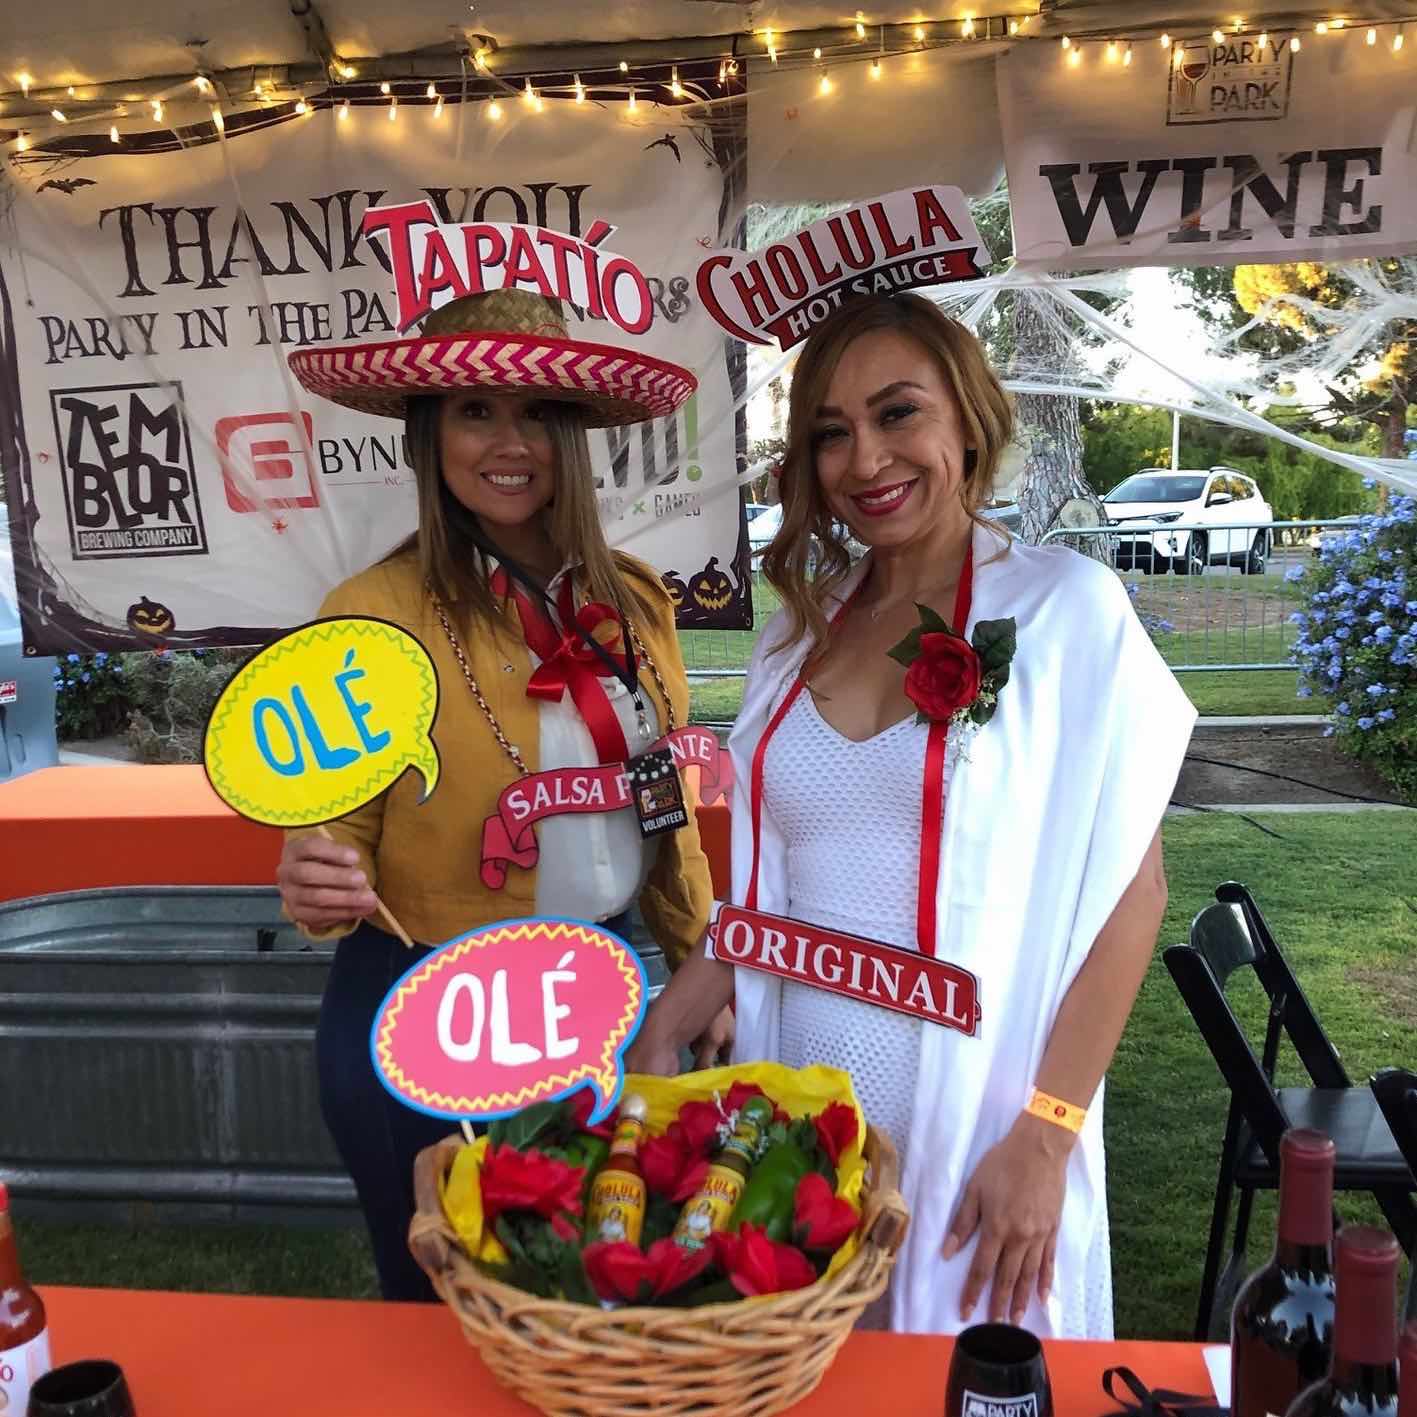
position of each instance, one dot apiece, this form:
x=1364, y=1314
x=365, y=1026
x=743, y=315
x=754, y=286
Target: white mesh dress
x=870, y=889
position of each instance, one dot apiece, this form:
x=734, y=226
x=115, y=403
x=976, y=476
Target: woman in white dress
x=1025, y=851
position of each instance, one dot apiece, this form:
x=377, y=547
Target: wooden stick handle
x=383, y=909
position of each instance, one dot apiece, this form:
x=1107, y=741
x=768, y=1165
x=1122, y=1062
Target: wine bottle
x=617, y=1195
x=1281, y=1327
x=1407, y=1372
x=1362, y=1378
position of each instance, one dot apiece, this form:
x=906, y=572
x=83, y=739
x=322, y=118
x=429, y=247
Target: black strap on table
x=1161, y=1403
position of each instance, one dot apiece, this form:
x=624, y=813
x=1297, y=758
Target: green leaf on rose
x=522, y=1129
x=932, y=622
x=908, y=649
x=996, y=642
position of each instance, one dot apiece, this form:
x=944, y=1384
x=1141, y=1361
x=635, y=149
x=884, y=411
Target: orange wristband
x=1055, y=1110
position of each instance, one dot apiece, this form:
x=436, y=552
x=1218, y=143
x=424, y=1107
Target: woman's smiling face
x=497, y=455
x=889, y=444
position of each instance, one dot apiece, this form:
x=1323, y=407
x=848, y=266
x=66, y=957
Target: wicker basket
x=746, y=1359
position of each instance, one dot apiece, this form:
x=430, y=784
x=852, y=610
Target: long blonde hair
x=448, y=544
x=985, y=411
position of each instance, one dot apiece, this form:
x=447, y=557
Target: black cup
x=998, y=1371
x=93, y=1388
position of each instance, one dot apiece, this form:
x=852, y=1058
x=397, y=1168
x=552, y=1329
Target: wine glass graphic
x=1194, y=66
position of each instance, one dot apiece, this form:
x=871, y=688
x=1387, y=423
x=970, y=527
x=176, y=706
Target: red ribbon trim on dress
x=932, y=793
x=508, y=838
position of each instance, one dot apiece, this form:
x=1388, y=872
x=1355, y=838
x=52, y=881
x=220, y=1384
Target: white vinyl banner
x=1211, y=152
x=167, y=478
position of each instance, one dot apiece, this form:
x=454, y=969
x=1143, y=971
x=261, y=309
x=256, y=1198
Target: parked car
x=1007, y=514
x=27, y=737
x=1223, y=520
x=762, y=527
x=1322, y=536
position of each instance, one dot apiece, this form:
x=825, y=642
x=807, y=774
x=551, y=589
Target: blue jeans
x=377, y=1137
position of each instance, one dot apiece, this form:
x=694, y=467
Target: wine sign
x=323, y=721
x=518, y=1012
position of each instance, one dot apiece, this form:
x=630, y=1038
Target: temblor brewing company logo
x=129, y=485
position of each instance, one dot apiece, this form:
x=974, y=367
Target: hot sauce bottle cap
x=634, y=1107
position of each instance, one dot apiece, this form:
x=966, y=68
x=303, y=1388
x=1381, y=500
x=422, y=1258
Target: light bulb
x=722, y=71
x=348, y=71
x=919, y=33
x=772, y=54
x=580, y=87
x=494, y=111
x=157, y=109
x=632, y=101
x=1217, y=36
x=25, y=81
x=624, y=67
x=1066, y=42
x=860, y=30
x=393, y=109
x=220, y=122
x=431, y=91
x=438, y=107
x=344, y=110
x=1398, y=40
x=875, y=68
x=528, y=93
x=479, y=59
x=1013, y=26
x=1075, y=58
x=1179, y=54
x=967, y=29
x=22, y=143
x=1295, y=45
x=1264, y=39
x=675, y=87
x=1372, y=35
x=384, y=87
x=113, y=134
x=1127, y=57
x=825, y=86
x=71, y=91
x=1166, y=41
x=1338, y=24
x=200, y=81
x=55, y=113
x=816, y=54
x=302, y=107
x=1321, y=28
x=1111, y=51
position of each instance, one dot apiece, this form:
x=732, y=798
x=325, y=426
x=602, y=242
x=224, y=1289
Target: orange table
x=81, y=828
x=208, y=1355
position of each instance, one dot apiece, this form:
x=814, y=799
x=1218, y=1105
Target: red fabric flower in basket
x=670, y=1170
x=621, y=1270
x=528, y=1180
x=837, y=1129
x=582, y=1105
x=697, y=1128
x=756, y=1265
x=820, y=1219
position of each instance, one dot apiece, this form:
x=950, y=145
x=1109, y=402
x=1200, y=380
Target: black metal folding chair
x=1396, y=1091
x=1225, y=938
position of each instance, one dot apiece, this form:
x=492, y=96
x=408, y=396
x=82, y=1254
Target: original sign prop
x=1211, y=153
x=904, y=241
x=323, y=721
x=518, y=1012
x=903, y=981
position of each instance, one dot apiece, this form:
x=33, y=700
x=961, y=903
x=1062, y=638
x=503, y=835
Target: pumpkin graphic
x=712, y=589
x=678, y=591
x=147, y=617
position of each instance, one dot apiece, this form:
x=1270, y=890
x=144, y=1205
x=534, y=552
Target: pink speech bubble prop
x=517, y=1012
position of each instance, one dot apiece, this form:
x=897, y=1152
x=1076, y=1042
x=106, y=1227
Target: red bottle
x=24, y=1337
x=1281, y=1328
x=1362, y=1379
x=1407, y=1372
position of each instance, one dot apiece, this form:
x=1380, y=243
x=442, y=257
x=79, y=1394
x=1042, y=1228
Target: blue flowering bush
x=1357, y=640
x=92, y=696
x=1154, y=625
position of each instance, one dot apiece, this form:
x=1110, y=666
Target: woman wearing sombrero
x=507, y=578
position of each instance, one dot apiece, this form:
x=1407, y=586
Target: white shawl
x=1046, y=823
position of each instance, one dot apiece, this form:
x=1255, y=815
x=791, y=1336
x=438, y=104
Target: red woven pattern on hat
x=510, y=361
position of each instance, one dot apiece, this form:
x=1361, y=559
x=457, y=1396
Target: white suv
x=1227, y=521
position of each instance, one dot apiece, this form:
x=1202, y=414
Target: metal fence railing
x=1213, y=597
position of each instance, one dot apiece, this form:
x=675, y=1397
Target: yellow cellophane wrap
x=800, y=1092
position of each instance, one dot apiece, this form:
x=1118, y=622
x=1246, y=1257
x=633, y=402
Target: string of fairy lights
x=635, y=85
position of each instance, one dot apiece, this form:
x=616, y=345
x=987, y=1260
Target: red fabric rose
x=670, y=1170
x=582, y=1105
x=528, y=1180
x=622, y=1271
x=837, y=1130
x=697, y=1127
x=756, y=1265
x=944, y=676
x=821, y=1221
x=741, y=1091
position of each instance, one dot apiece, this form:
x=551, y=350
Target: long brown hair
x=448, y=542
x=985, y=411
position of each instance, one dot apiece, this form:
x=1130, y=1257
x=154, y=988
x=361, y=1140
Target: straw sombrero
x=503, y=339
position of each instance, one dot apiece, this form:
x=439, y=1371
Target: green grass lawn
x=1339, y=894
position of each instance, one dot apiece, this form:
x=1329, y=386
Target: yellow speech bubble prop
x=323, y=721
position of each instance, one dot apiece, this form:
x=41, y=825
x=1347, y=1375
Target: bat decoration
x=667, y=141
x=68, y=185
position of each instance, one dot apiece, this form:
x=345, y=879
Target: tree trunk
x=1395, y=426
x=1051, y=433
